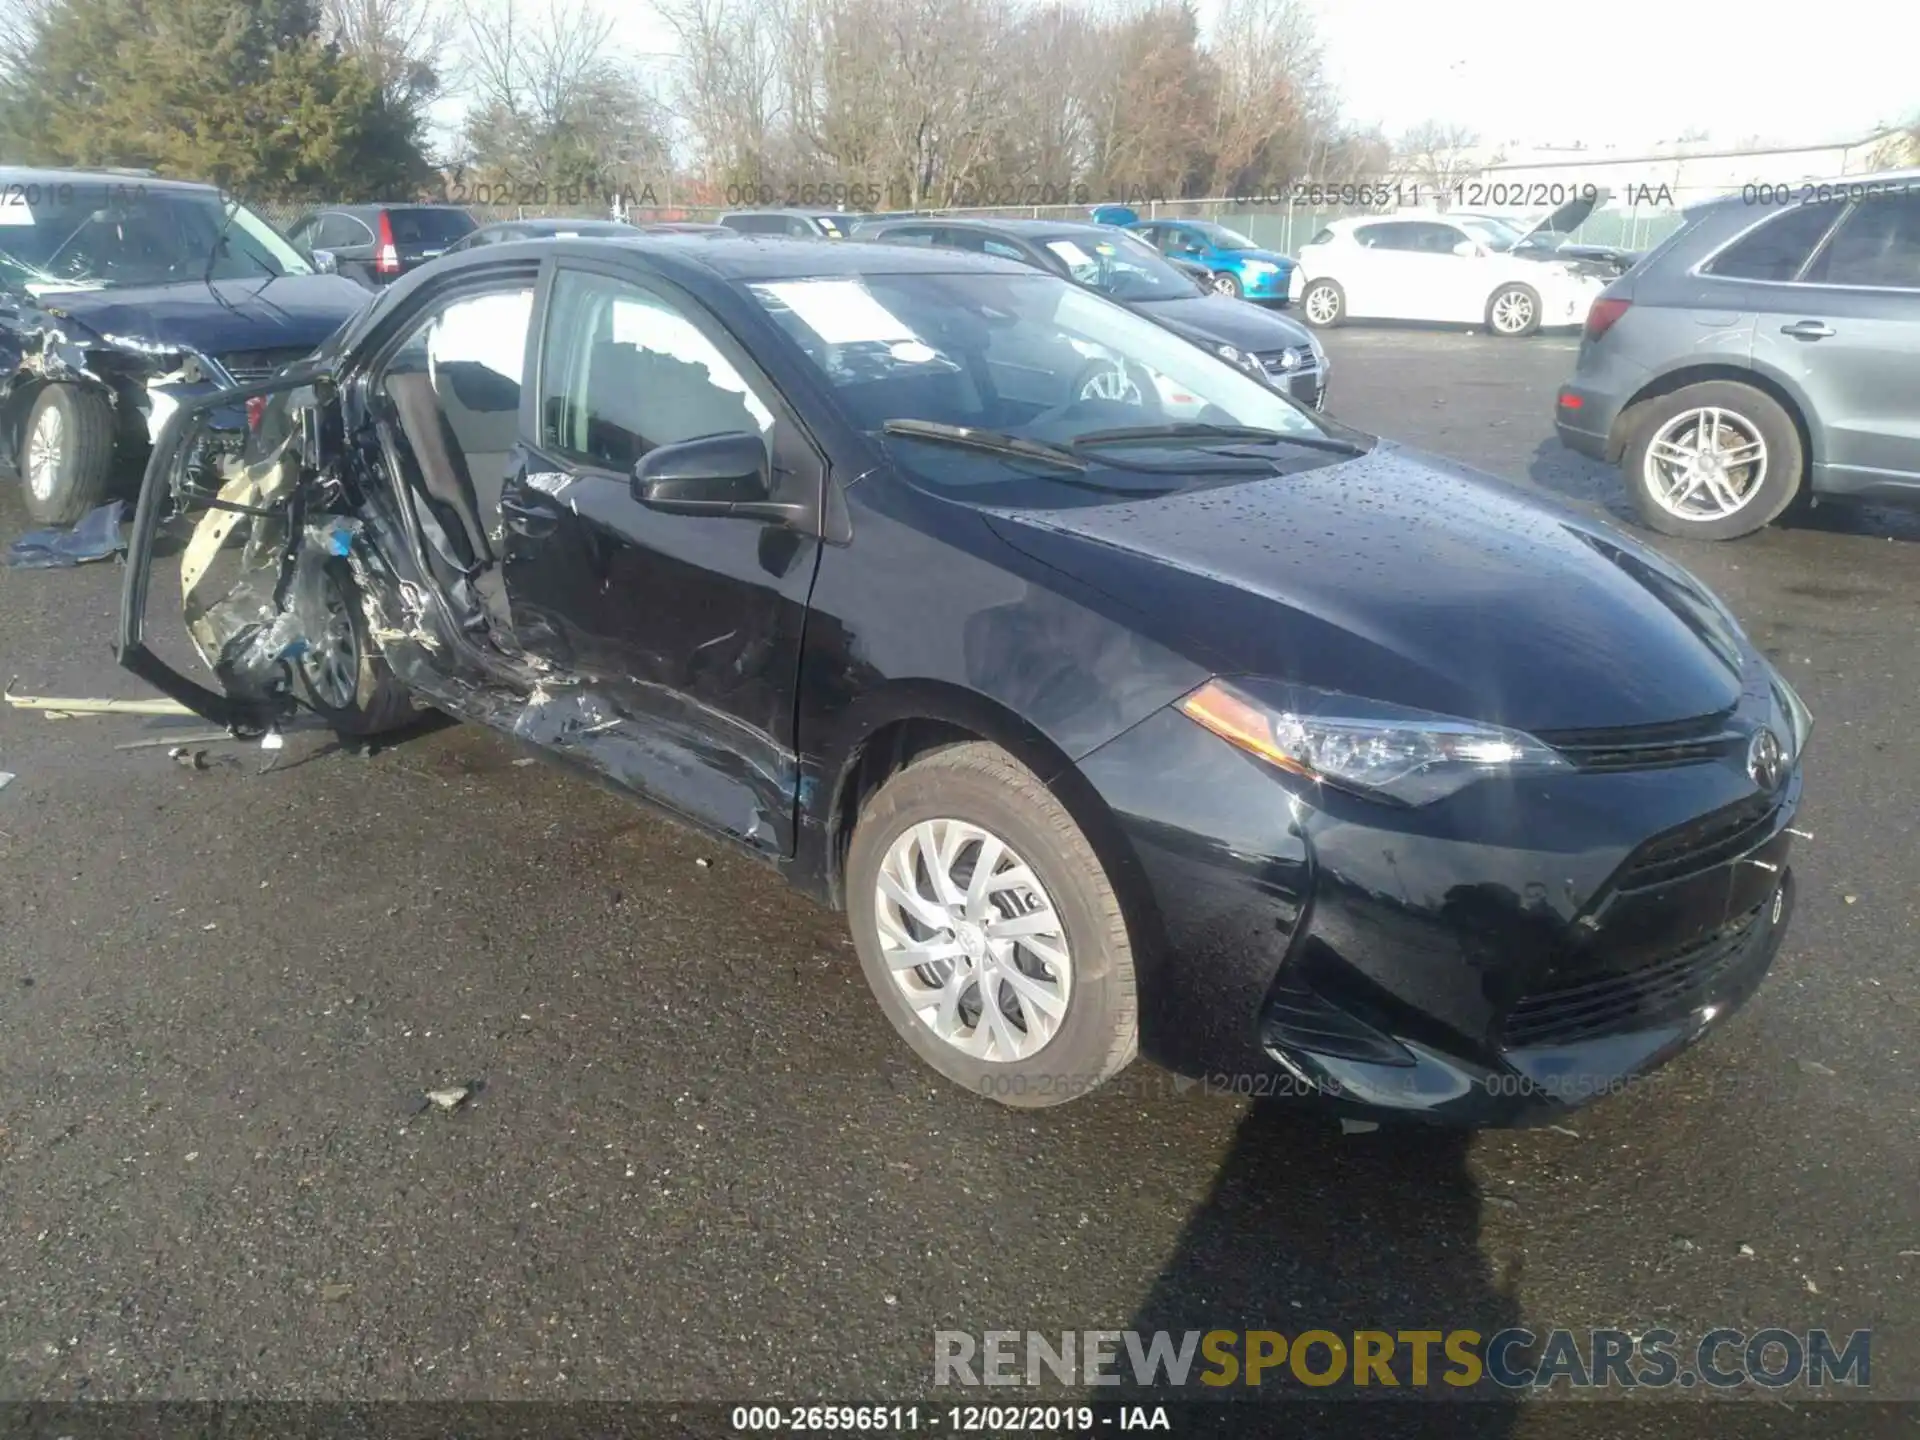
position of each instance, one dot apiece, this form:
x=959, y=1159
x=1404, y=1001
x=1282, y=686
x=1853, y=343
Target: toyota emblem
x=1766, y=762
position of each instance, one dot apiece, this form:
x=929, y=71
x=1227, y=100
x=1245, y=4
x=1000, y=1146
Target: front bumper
x=1499, y=958
x=1271, y=285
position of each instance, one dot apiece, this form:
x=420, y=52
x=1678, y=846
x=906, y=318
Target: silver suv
x=1767, y=351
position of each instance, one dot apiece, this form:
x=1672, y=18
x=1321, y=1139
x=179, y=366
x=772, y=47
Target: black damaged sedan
x=1188, y=723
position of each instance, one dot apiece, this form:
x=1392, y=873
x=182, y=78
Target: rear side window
x=1878, y=244
x=757, y=224
x=1778, y=247
x=429, y=226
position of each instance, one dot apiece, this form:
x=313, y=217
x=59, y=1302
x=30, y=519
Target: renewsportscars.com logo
x=1512, y=1359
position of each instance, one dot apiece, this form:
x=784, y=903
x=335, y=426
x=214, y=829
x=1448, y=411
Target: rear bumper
x=1575, y=416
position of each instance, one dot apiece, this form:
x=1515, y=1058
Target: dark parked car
x=1273, y=750
x=1126, y=269
x=377, y=244
x=119, y=297
x=802, y=224
x=504, y=230
x=1763, y=353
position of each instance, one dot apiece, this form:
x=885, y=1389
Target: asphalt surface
x=700, y=1165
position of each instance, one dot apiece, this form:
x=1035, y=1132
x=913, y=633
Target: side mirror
x=1466, y=249
x=716, y=475
x=325, y=262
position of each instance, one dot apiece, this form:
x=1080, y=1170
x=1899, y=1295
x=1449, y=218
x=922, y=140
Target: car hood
x=1406, y=578
x=216, y=318
x=1567, y=219
x=1217, y=317
x=1272, y=257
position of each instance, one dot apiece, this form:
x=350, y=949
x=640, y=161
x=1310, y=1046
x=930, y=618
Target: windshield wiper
x=997, y=441
x=1194, y=430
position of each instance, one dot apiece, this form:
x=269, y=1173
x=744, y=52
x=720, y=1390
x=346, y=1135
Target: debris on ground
x=704, y=863
x=1746, y=1252
x=1813, y=1067
x=452, y=1097
x=179, y=739
x=1563, y=1130
x=331, y=1293
x=95, y=536
x=526, y=760
x=63, y=707
x=6, y=778
x=190, y=759
x=1347, y=1127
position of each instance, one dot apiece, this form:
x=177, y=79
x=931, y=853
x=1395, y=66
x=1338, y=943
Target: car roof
x=795, y=210
x=398, y=205
x=584, y=227
x=11, y=175
x=744, y=259
x=1038, y=230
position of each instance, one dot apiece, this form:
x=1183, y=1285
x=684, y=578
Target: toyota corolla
x=1243, y=740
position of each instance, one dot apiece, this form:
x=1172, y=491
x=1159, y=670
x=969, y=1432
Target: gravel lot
x=701, y=1166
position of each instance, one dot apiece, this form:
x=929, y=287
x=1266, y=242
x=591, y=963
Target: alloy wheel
x=1322, y=306
x=972, y=940
x=1705, y=464
x=1223, y=285
x=44, y=448
x=331, y=665
x=1512, y=312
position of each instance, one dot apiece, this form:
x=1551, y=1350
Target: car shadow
x=1308, y=1228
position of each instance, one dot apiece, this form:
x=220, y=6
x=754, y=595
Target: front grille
x=250, y=367
x=1647, y=747
x=1662, y=990
x=1270, y=362
x=1701, y=844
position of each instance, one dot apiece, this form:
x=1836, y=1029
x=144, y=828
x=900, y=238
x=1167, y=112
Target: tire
x=1226, y=283
x=1745, y=414
x=66, y=453
x=978, y=787
x=1513, y=311
x=1323, y=304
x=344, y=678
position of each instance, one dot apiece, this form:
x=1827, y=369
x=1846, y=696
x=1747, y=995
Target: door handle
x=1807, y=330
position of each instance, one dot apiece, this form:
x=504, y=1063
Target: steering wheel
x=1108, y=393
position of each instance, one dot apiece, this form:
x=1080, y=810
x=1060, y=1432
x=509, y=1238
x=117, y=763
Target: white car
x=1468, y=270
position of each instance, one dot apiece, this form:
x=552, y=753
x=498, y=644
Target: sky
x=1626, y=73
x=1611, y=74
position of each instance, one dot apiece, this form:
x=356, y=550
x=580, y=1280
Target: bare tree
x=1436, y=156
x=401, y=42
x=1268, y=94
x=726, y=82
x=554, y=108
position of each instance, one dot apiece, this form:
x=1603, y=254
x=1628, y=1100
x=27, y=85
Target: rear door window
x=429, y=227
x=1778, y=247
x=1877, y=245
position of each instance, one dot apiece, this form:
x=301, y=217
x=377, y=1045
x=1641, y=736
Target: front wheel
x=1714, y=461
x=1513, y=311
x=1324, y=304
x=343, y=676
x=66, y=453
x=988, y=931
x=1228, y=284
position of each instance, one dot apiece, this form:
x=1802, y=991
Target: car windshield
x=1121, y=271
x=1027, y=364
x=96, y=236
x=1221, y=238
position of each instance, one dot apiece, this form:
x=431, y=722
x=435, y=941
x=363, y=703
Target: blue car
x=1234, y=264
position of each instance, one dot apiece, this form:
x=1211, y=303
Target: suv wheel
x=1713, y=461
x=988, y=930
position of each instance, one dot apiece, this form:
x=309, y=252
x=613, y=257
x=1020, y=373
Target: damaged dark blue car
x=1169, y=718
x=124, y=295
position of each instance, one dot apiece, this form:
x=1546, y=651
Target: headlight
x=1234, y=356
x=1792, y=715
x=1410, y=756
x=1259, y=267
